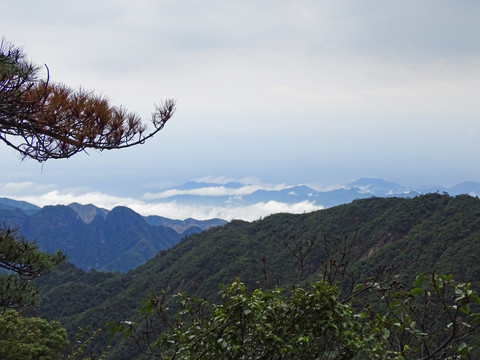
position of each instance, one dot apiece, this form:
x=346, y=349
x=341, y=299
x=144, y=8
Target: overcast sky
x=285, y=92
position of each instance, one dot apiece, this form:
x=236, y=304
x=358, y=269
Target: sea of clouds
x=160, y=203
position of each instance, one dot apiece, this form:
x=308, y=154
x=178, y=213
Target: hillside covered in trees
x=431, y=233
x=95, y=238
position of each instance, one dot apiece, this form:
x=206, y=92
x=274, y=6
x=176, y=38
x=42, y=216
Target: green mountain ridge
x=95, y=238
x=120, y=241
x=428, y=233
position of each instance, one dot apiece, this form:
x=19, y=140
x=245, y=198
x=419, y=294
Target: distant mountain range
x=121, y=239
x=237, y=194
x=95, y=238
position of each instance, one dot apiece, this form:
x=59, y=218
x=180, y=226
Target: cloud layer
x=168, y=208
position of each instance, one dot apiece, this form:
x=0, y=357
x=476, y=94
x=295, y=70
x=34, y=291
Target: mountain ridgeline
x=200, y=193
x=94, y=238
x=433, y=232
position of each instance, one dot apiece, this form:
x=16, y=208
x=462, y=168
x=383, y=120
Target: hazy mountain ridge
x=10, y=204
x=94, y=238
x=235, y=194
x=182, y=226
x=204, y=194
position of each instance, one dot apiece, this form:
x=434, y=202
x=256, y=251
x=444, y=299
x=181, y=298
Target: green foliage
x=434, y=320
x=80, y=348
x=21, y=261
x=306, y=323
x=23, y=337
x=26, y=337
x=30, y=338
x=437, y=318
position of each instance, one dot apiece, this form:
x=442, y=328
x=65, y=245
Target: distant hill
x=433, y=232
x=181, y=226
x=467, y=187
x=88, y=212
x=10, y=204
x=94, y=238
x=215, y=194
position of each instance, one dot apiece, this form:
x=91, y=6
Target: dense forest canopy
x=431, y=233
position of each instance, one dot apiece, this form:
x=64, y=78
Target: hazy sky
x=315, y=92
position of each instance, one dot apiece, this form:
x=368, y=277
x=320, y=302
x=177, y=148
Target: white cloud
x=252, y=212
x=214, y=191
x=327, y=187
x=173, y=209
x=169, y=209
x=364, y=189
x=57, y=197
x=204, y=191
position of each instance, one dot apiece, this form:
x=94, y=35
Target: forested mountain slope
x=427, y=233
x=120, y=241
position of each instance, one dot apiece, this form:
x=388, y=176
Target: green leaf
x=358, y=287
x=419, y=280
x=465, y=309
x=416, y=291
